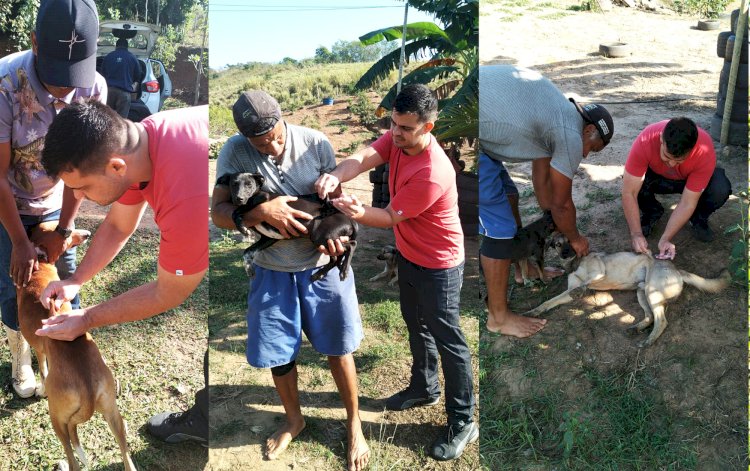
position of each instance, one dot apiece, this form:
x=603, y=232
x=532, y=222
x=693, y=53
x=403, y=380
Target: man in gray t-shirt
x=524, y=117
x=283, y=301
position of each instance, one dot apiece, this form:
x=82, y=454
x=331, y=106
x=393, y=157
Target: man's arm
x=109, y=239
x=275, y=212
x=23, y=257
x=554, y=192
x=52, y=242
x=168, y=291
x=680, y=216
x=346, y=170
x=631, y=185
x=367, y=215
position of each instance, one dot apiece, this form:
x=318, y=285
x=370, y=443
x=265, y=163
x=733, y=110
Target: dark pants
x=201, y=396
x=430, y=308
x=119, y=100
x=713, y=197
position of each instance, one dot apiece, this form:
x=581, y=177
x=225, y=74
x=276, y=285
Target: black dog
x=327, y=223
x=530, y=243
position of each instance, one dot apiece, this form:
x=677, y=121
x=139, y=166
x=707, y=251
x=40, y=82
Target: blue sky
x=269, y=30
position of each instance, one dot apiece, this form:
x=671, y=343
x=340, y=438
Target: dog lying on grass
x=529, y=245
x=389, y=254
x=327, y=223
x=75, y=378
x=656, y=281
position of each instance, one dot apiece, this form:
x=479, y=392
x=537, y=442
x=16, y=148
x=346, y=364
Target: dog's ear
x=259, y=178
x=224, y=179
x=78, y=237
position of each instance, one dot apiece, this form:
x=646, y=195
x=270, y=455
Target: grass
x=397, y=440
x=157, y=361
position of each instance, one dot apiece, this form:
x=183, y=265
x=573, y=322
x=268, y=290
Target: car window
x=140, y=41
x=156, y=67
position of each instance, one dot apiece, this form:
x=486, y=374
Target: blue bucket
x=327, y=101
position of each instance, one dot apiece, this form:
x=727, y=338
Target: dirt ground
x=698, y=366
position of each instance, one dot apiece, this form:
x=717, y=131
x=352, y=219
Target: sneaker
x=176, y=427
x=701, y=231
x=649, y=219
x=451, y=444
x=408, y=398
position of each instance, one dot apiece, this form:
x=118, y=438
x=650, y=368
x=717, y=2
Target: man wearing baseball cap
x=523, y=117
x=34, y=86
x=283, y=300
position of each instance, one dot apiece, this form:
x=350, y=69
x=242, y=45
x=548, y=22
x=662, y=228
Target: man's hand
x=59, y=291
x=349, y=205
x=335, y=247
x=580, y=245
x=667, y=250
x=68, y=326
x=23, y=263
x=327, y=185
x=53, y=244
x=283, y=217
x=639, y=243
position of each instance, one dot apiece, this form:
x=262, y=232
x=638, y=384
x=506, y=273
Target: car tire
x=729, y=51
x=721, y=43
x=737, y=131
x=739, y=107
x=614, y=50
x=741, y=82
x=708, y=25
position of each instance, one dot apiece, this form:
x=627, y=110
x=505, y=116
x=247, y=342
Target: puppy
x=74, y=375
x=327, y=223
x=529, y=245
x=389, y=254
x=656, y=281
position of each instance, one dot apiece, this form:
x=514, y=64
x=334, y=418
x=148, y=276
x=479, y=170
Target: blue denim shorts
x=283, y=305
x=495, y=216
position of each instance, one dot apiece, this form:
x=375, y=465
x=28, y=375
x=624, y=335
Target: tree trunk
x=199, y=67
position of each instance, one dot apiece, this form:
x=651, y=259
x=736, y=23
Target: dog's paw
x=62, y=465
x=39, y=391
x=393, y=282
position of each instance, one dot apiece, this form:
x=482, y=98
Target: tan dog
x=656, y=282
x=74, y=375
x=389, y=254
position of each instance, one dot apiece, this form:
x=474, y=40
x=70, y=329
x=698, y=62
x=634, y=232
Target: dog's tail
x=711, y=285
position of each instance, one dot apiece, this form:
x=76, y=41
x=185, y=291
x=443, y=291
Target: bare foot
x=359, y=452
x=279, y=441
x=515, y=325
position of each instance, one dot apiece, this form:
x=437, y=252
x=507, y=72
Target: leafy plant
x=363, y=108
x=739, y=254
x=708, y=9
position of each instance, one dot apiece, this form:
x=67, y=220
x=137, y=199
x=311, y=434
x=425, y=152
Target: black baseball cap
x=256, y=113
x=599, y=117
x=66, y=35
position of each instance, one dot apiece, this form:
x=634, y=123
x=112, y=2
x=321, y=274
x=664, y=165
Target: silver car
x=155, y=85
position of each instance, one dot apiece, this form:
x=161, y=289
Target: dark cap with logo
x=256, y=113
x=66, y=35
x=599, y=117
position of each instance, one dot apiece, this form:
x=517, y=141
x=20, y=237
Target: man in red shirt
x=672, y=156
x=424, y=215
x=160, y=161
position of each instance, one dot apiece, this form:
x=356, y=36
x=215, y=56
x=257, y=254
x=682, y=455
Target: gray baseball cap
x=256, y=113
x=66, y=35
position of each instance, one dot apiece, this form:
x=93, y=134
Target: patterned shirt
x=307, y=155
x=26, y=111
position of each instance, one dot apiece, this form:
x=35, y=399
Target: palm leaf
x=382, y=68
x=419, y=30
x=423, y=76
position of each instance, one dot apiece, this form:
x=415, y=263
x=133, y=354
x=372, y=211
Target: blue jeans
x=430, y=308
x=66, y=266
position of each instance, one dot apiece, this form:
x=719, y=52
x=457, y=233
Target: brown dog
x=389, y=255
x=74, y=375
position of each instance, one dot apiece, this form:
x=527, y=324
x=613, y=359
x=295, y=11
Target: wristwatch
x=63, y=231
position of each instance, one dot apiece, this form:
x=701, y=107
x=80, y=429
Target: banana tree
x=453, y=59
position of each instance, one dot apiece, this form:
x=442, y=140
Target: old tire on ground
x=737, y=131
x=615, y=49
x=741, y=82
x=708, y=25
x=739, y=107
x=721, y=42
x=729, y=51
